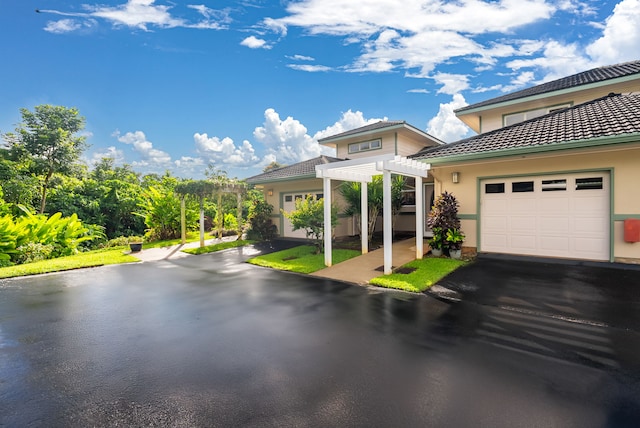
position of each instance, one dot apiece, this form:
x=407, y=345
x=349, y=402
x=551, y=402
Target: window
x=554, y=185
x=298, y=197
x=288, y=198
x=319, y=195
x=409, y=192
x=512, y=119
x=365, y=146
x=494, y=188
x=592, y=183
x=522, y=186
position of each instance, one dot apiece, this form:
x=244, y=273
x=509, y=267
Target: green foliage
x=437, y=242
x=303, y=259
x=82, y=260
x=427, y=272
x=160, y=209
x=122, y=241
x=230, y=222
x=443, y=218
x=350, y=191
x=46, y=140
x=444, y=213
x=262, y=227
x=33, y=252
x=62, y=234
x=309, y=216
x=217, y=247
x=454, y=239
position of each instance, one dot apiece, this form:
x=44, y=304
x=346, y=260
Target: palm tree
x=350, y=191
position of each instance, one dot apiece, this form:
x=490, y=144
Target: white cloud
x=309, y=67
x=301, y=58
x=558, y=60
x=255, y=43
x=451, y=83
x=62, y=26
x=110, y=152
x=445, y=125
x=141, y=14
x=621, y=36
x=417, y=36
x=349, y=120
x=418, y=91
x=224, y=151
x=149, y=156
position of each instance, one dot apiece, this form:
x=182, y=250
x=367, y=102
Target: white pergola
x=363, y=170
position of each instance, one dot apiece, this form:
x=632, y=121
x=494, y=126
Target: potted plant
x=437, y=241
x=135, y=244
x=454, y=241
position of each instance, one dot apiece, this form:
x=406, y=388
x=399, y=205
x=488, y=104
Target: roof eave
x=569, y=145
x=334, y=140
x=280, y=179
x=471, y=110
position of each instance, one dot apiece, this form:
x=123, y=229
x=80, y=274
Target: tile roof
x=590, y=76
x=374, y=126
x=297, y=170
x=610, y=116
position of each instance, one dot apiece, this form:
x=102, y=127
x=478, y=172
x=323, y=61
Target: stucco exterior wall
x=623, y=162
x=311, y=185
x=493, y=119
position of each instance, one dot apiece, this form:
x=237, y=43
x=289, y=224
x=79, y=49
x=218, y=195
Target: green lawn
x=217, y=247
x=428, y=271
x=107, y=256
x=301, y=259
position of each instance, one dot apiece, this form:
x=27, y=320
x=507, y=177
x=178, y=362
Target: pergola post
x=419, y=219
x=387, y=221
x=201, y=221
x=183, y=220
x=327, y=221
x=364, y=217
x=239, y=200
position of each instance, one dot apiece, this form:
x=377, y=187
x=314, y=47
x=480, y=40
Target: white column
x=327, y=221
x=201, y=221
x=387, y=224
x=419, y=218
x=364, y=217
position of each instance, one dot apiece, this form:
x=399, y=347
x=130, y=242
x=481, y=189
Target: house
x=553, y=171
x=284, y=185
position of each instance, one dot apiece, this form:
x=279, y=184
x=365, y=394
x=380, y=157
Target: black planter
x=135, y=246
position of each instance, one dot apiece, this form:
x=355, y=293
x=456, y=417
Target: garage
x=563, y=215
x=288, y=205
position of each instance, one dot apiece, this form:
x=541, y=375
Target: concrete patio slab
x=362, y=269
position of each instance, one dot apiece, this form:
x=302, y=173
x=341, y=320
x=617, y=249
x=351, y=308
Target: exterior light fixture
x=455, y=177
x=270, y=192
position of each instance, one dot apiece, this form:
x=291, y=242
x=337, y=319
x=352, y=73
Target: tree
x=350, y=191
x=273, y=165
x=47, y=138
x=309, y=216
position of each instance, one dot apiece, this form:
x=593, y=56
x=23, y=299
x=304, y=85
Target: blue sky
x=178, y=85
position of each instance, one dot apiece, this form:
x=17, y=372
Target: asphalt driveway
x=212, y=341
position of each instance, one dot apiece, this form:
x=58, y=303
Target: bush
x=262, y=228
x=309, y=216
x=122, y=241
x=33, y=252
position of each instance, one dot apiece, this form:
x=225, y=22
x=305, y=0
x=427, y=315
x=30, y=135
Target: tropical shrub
x=444, y=222
x=350, y=191
x=57, y=236
x=261, y=225
x=309, y=216
x=160, y=209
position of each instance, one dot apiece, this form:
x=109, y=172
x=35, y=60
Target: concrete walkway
x=361, y=269
x=175, y=251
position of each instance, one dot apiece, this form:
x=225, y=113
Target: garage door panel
x=563, y=215
x=523, y=224
x=522, y=242
x=522, y=206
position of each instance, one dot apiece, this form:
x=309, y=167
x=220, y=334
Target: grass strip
x=217, y=247
x=301, y=259
x=103, y=257
x=428, y=271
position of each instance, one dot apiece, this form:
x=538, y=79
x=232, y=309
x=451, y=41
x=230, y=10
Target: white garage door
x=289, y=204
x=553, y=216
